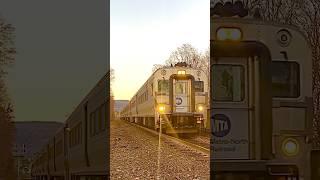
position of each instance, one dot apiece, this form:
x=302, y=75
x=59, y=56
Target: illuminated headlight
x=181, y=72
x=200, y=107
x=290, y=147
x=161, y=108
x=229, y=34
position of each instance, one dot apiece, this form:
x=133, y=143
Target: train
x=261, y=105
x=174, y=100
x=79, y=150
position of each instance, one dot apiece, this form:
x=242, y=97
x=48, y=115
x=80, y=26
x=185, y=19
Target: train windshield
x=163, y=86
x=285, y=79
x=228, y=82
x=198, y=86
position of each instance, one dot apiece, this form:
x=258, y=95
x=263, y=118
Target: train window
x=198, y=86
x=100, y=119
x=91, y=125
x=152, y=89
x=80, y=133
x=58, y=147
x=50, y=153
x=181, y=87
x=228, y=82
x=75, y=136
x=71, y=138
x=96, y=120
x=285, y=79
x=103, y=122
x=163, y=86
x=106, y=114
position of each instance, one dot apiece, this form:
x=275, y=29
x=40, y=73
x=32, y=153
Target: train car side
x=79, y=150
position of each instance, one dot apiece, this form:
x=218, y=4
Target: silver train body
x=79, y=150
x=176, y=97
x=261, y=105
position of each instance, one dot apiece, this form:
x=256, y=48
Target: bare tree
x=308, y=20
x=205, y=61
x=188, y=54
x=7, y=53
x=111, y=77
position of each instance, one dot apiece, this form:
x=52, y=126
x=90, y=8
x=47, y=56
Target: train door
x=241, y=107
x=182, y=94
x=230, y=110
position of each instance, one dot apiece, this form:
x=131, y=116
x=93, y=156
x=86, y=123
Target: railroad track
x=204, y=150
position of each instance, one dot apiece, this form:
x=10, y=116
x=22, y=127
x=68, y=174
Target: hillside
x=34, y=135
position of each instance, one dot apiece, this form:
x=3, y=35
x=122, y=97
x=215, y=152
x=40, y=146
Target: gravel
x=203, y=141
x=134, y=155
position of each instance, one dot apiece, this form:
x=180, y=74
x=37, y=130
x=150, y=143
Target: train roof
x=64, y=123
x=104, y=78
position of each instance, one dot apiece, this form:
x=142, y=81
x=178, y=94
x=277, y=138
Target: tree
x=6, y=139
x=188, y=54
x=111, y=77
x=308, y=20
x=7, y=55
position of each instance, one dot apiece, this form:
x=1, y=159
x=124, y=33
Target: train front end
x=181, y=99
x=261, y=103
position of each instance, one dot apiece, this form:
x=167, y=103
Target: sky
x=145, y=32
x=62, y=54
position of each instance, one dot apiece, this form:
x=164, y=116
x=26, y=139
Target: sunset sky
x=144, y=33
x=62, y=48
x=61, y=55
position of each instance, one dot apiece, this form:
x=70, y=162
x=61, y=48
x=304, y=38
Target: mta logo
x=178, y=100
x=221, y=125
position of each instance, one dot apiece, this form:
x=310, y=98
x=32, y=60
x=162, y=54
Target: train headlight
x=290, y=147
x=229, y=34
x=200, y=107
x=161, y=108
x=181, y=72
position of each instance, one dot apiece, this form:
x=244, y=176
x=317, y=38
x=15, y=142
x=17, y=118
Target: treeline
x=7, y=56
x=189, y=54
